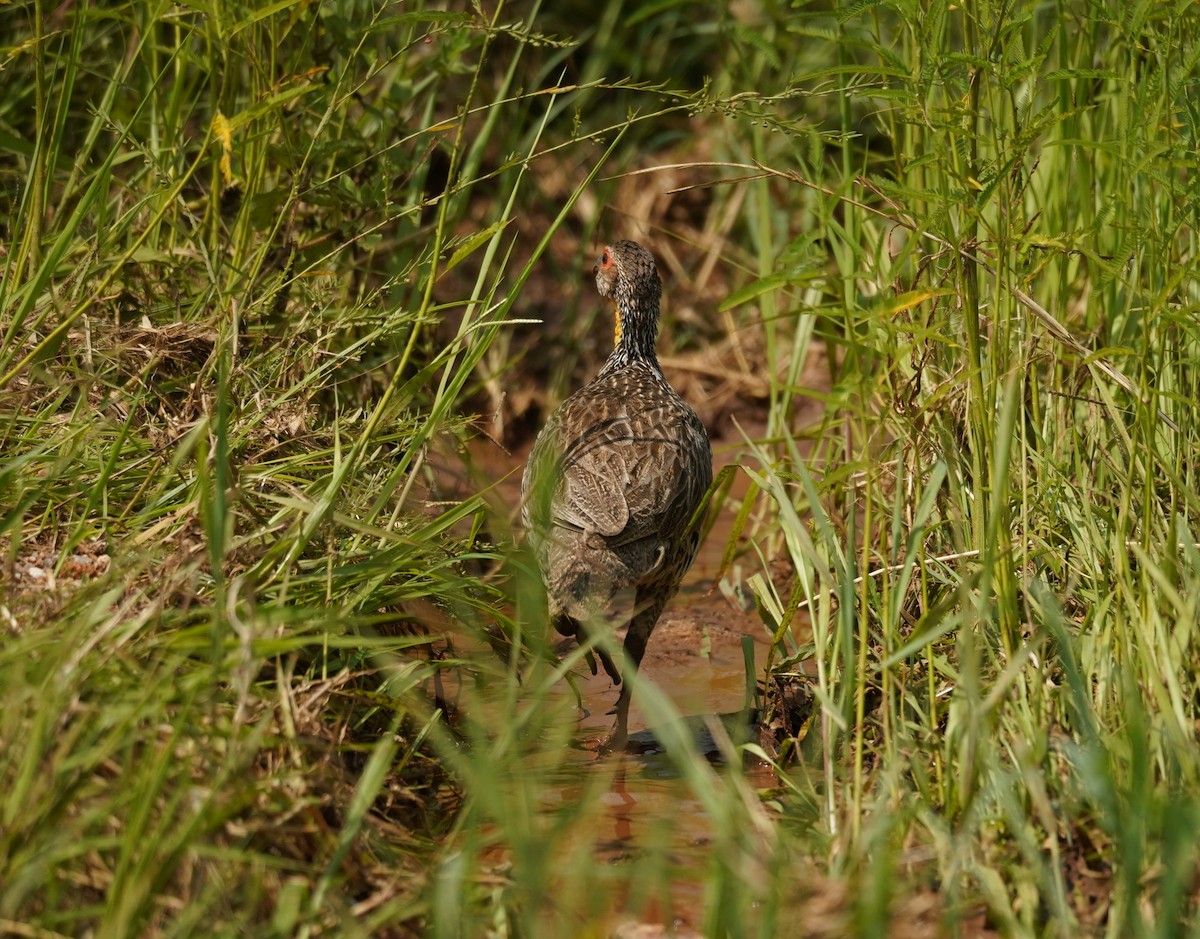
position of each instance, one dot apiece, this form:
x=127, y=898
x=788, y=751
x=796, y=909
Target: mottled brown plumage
x=615, y=478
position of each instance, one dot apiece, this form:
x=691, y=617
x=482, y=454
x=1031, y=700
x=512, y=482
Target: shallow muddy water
x=647, y=810
x=695, y=657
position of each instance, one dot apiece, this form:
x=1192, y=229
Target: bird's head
x=626, y=275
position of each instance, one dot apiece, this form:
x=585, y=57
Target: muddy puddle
x=695, y=657
x=646, y=809
x=646, y=837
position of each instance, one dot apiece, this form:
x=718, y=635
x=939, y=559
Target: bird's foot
x=617, y=738
x=613, y=742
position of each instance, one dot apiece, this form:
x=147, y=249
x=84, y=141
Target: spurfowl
x=615, y=479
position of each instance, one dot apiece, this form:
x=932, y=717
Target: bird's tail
x=579, y=596
x=578, y=591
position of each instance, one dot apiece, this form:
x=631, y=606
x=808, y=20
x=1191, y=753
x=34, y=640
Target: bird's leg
x=606, y=659
x=635, y=647
x=569, y=626
x=648, y=605
x=609, y=665
x=619, y=735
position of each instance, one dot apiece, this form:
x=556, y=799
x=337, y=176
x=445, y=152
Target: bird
x=613, y=487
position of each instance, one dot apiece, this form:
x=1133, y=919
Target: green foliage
x=997, y=601
x=264, y=267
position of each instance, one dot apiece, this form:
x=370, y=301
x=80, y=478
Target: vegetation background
x=271, y=274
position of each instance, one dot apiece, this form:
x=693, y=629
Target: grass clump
x=1002, y=531
x=270, y=277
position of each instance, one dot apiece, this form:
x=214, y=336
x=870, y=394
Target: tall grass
x=266, y=271
x=1001, y=496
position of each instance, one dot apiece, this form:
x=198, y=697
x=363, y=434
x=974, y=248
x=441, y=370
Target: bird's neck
x=635, y=332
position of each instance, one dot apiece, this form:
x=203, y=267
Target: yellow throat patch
x=616, y=324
